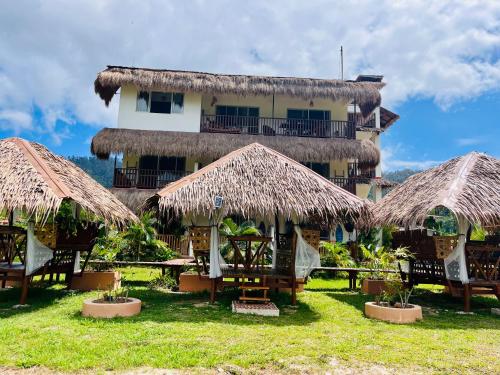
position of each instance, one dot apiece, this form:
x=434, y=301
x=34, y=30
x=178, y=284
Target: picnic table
x=353, y=272
x=251, y=260
x=174, y=265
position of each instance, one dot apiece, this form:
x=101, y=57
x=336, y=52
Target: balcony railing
x=355, y=171
x=145, y=178
x=277, y=126
x=346, y=183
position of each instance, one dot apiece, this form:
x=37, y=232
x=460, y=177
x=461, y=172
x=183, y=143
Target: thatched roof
x=258, y=181
x=365, y=94
x=468, y=185
x=133, y=198
x=216, y=145
x=35, y=180
x=387, y=118
x=383, y=183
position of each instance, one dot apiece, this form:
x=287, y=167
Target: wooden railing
x=175, y=242
x=277, y=126
x=362, y=173
x=145, y=178
x=345, y=183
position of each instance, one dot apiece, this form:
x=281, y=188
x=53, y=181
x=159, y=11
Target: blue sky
x=440, y=60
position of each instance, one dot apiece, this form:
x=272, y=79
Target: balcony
x=277, y=126
x=346, y=183
x=145, y=178
x=157, y=179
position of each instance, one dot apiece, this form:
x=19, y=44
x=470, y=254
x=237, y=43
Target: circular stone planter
x=94, y=309
x=393, y=314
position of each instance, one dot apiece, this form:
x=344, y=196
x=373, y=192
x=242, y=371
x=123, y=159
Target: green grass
x=179, y=331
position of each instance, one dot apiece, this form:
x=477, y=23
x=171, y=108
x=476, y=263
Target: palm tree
x=229, y=228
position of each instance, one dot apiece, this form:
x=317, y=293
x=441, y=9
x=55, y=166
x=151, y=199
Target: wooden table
x=250, y=260
x=175, y=265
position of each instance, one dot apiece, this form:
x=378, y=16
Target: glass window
x=323, y=169
x=177, y=103
x=227, y=110
x=161, y=102
x=142, y=101
x=308, y=114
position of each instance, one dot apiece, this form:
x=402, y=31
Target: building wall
x=281, y=105
x=188, y=121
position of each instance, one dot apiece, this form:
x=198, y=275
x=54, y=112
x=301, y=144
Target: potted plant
x=102, y=275
x=393, y=304
x=112, y=304
x=380, y=259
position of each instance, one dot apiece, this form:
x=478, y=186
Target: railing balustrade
x=145, y=178
x=277, y=126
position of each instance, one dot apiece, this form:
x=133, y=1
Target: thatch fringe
x=133, y=198
x=36, y=181
x=365, y=94
x=216, y=145
x=468, y=185
x=257, y=181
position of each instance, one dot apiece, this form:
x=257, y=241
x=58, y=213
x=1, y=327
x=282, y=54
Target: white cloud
x=52, y=50
x=472, y=141
x=391, y=162
x=16, y=121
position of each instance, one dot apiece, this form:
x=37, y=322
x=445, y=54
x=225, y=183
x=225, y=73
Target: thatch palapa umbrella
x=34, y=180
x=257, y=181
x=469, y=186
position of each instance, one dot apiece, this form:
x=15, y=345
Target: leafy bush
x=107, y=247
x=337, y=255
x=163, y=282
x=381, y=258
x=142, y=241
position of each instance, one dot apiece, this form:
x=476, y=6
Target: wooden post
x=213, y=286
x=466, y=297
x=24, y=291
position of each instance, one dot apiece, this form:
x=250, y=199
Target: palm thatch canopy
x=133, y=198
x=36, y=181
x=257, y=181
x=216, y=145
x=383, y=183
x=467, y=185
x=365, y=94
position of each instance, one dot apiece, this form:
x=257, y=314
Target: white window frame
x=150, y=95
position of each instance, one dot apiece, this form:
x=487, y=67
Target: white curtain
x=306, y=256
x=216, y=260
x=77, y=262
x=455, y=263
x=272, y=244
x=37, y=254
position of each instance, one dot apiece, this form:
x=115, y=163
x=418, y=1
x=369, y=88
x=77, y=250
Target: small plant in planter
x=393, y=304
x=111, y=304
x=379, y=259
x=102, y=276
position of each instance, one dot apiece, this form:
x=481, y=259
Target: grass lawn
x=179, y=331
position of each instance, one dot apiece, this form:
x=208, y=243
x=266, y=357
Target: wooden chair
x=200, y=239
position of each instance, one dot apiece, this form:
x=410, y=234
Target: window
x=308, y=114
x=226, y=110
x=160, y=102
x=323, y=169
x=142, y=101
x=244, y=118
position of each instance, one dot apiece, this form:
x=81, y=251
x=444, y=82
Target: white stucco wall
x=281, y=105
x=188, y=121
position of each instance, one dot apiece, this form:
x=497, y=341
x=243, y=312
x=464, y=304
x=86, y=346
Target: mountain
x=400, y=175
x=100, y=170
